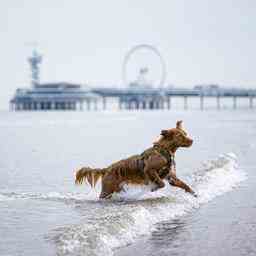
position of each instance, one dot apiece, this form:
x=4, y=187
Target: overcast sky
x=202, y=41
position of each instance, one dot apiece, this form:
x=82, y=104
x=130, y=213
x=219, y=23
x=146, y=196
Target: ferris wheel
x=144, y=66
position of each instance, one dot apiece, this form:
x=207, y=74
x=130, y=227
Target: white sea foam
x=4, y=198
x=51, y=196
x=115, y=224
x=111, y=224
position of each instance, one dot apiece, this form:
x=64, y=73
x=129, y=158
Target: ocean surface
x=42, y=212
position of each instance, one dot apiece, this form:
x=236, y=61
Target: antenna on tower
x=34, y=62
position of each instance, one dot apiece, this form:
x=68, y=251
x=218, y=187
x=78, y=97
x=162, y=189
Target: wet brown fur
x=151, y=165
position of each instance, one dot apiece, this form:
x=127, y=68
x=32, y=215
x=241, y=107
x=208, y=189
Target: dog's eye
x=184, y=134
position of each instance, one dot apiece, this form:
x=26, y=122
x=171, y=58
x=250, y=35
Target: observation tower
x=51, y=96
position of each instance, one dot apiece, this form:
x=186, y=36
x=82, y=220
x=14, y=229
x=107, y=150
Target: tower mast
x=34, y=62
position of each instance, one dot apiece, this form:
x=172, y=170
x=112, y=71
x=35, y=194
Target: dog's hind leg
x=108, y=194
x=105, y=195
x=110, y=185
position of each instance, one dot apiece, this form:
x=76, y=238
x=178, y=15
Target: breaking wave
x=114, y=224
x=107, y=225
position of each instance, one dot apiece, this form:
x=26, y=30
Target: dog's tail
x=89, y=174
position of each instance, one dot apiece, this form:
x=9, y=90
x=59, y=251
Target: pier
x=138, y=94
x=66, y=96
x=153, y=99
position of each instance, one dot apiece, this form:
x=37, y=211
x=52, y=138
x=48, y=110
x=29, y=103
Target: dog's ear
x=164, y=133
x=179, y=124
x=167, y=134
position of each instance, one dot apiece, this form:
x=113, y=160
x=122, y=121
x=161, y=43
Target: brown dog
x=154, y=164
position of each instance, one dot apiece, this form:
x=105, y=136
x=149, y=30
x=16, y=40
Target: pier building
x=54, y=96
x=51, y=96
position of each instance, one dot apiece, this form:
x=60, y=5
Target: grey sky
x=202, y=41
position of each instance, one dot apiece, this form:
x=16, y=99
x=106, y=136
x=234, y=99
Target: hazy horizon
x=85, y=42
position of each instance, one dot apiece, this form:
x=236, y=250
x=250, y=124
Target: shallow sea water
x=42, y=212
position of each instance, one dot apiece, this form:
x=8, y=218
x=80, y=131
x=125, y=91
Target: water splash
x=115, y=224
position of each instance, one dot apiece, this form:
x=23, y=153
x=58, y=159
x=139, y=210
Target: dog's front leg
x=154, y=177
x=152, y=164
x=174, y=181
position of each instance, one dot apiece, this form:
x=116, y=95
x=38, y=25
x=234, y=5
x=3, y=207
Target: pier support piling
x=169, y=102
x=120, y=104
x=104, y=102
x=251, y=102
x=218, y=102
x=185, y=102
x=81, y=106
x=202, y=102
x=95, y=105
x=161, y=104
x=234, y=102
x=88, y=103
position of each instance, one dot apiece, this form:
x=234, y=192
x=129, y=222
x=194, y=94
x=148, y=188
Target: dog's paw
x=156, y=187
x=194, y=195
